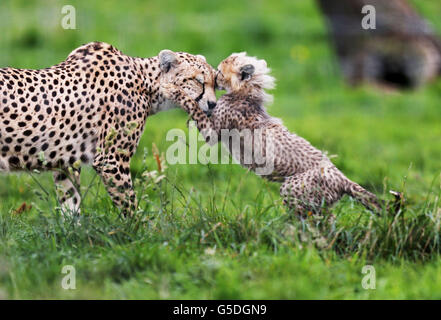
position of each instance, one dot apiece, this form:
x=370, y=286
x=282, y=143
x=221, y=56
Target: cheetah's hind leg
x=68, y=184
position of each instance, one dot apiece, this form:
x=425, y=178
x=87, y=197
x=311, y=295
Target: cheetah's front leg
x=116, y=177
x=68, y=184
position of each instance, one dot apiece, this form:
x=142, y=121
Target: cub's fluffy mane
x=261, y=78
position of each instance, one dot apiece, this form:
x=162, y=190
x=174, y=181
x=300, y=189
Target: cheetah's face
x=192, y=74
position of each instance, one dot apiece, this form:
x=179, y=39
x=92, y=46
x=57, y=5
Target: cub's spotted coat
x=309, y=177
x=91, y=109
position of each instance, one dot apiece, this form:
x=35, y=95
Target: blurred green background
x=380, y=138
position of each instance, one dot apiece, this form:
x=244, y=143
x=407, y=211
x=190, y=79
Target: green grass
x=217, y=231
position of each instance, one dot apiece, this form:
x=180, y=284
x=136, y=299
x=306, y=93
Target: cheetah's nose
x=211, y=105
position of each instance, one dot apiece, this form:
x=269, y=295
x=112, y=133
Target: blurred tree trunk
x=401, y=51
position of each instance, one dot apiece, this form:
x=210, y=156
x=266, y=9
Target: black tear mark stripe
x=202, y=94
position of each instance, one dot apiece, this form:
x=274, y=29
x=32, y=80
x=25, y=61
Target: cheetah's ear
x=246, y=72
x=167, y=60
x=202, y=57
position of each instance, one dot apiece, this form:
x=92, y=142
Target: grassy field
x=217, y=231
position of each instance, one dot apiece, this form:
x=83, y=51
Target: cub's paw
x=398, y=203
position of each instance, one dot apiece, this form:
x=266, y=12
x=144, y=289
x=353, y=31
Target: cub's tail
x=366, y=198
x=371, y=201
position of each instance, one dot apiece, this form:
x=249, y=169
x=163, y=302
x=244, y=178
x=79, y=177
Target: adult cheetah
x=91, y=109
x=309, y=177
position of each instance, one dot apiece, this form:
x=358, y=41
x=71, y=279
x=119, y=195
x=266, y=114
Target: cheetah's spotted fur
x=91, y=109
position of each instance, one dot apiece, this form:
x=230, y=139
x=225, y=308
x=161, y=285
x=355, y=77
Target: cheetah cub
x=309, y=179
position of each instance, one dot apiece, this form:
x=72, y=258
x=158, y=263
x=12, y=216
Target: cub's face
x=192, y=74
x=225, y=74
x=245, y=75
x=233, y=73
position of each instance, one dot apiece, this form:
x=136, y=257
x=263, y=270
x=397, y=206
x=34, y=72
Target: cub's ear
x=246, y=72
x=167, y=60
